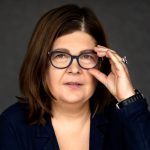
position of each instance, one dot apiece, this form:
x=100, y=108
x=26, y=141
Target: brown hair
x=55, y=23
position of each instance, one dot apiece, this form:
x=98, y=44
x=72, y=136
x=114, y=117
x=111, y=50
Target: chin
x=73, y=100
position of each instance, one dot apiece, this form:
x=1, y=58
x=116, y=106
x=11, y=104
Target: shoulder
x=14, y=129
x=16, y=113
x=13, y=123
x=14, y=108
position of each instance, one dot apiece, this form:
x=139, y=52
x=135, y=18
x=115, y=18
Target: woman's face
x=72, y=84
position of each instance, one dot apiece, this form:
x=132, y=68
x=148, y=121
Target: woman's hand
x=118, y=81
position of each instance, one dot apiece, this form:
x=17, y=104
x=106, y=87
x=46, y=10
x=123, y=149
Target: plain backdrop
x=126, y=22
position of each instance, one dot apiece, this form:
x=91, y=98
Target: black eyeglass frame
x=50, y=53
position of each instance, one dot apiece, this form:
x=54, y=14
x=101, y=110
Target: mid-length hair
x=32, y=79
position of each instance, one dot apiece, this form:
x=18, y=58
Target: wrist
x=125, y=95
x=137, y=96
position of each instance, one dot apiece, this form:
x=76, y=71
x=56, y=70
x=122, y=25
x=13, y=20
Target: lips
x=73, y=83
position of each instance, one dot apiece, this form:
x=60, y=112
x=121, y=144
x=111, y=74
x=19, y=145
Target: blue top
x=127, y=128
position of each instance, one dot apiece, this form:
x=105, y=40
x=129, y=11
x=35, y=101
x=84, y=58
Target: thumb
x=98, y=75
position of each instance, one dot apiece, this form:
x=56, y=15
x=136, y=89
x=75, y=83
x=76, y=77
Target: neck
x=71, y=123
x=70, y=111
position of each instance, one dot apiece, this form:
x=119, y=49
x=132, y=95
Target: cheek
x=92, y=79
x=92, y=83
x=53, y=79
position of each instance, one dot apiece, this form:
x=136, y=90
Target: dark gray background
x=126, y=22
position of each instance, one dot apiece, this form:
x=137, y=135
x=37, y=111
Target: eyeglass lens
x=62, y=59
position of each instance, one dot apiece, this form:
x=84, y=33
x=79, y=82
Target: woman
x=76, y=92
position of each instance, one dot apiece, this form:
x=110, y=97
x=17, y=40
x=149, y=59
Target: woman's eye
x=60, y=56
x=87, y=56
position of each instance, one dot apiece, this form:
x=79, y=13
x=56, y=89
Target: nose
x=74, y=67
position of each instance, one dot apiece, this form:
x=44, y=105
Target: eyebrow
x=67, y=51
x=87, y=51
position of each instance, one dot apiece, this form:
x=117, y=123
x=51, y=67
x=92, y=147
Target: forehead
x=75, y=41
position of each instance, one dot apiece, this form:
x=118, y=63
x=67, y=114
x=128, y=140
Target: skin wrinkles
x=57, y=78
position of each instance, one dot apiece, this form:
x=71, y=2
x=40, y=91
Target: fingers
x=102, y=48
x=118, y=80
x=112, y=55
x=102, y=51
x=99, y=75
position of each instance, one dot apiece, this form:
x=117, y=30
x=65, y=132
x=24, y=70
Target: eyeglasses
x=61, y=60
